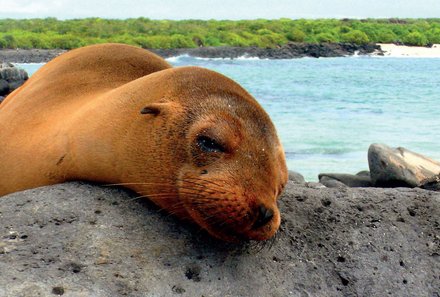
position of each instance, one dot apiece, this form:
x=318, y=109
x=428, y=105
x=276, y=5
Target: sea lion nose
x=264, y=216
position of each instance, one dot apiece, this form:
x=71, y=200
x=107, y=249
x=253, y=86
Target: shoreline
x=403, y=51
x=288, y=51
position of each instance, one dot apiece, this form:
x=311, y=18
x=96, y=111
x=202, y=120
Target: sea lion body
x=190, y=139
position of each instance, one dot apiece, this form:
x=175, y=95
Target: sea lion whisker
x=185, y=191
x=163, y=184
x=210, y=182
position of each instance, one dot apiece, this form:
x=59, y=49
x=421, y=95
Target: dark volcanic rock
x=11, y=78
x=4, y=87
x=399, y=167
x=288, y=51
x=331, y=180
x=296, y=177
x=432, y=184
x=29, y=55
x=82, y=240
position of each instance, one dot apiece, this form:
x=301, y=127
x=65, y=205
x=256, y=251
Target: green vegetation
x=52, y=33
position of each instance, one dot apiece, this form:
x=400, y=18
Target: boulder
x=77, y=239
x=296, y=177
x=331, y=182
x=399, y=167
x=362, y=179
x=4, y=87
x=432, y=184
x=11, y=78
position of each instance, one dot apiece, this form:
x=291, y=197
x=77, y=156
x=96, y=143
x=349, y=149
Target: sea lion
x=191, y=140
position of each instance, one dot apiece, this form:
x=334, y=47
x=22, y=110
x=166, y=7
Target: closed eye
x=209, y=145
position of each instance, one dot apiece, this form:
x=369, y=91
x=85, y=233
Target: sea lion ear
x=156, y=108
x=151, y=109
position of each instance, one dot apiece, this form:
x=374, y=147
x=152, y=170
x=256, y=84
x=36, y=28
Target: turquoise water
x=328, y=111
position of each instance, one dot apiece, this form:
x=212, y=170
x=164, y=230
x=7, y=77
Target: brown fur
x=79, y=118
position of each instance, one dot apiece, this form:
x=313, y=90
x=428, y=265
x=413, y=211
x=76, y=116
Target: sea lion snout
x=264, y=216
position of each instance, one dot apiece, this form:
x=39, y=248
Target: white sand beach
x=393, y=50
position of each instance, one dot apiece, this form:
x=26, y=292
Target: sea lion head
x=228, y=164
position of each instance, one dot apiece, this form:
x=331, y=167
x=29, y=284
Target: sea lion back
x=88, y=70
x=40, y=111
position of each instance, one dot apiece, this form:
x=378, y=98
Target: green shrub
x=386, y=36
x=296, y=35
x=50, y=32
x=415, y=38
x=355, y=36
x=9, y=41
x=326, y=37
x=433, y=35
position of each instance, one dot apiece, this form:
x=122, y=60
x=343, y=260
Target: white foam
x=240, y=58
x=176, y=58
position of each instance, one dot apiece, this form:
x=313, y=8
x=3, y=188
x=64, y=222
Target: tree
x=386, y=36
x=416, y=39
x=355, y=36
x=433, y=35
x=296, y=35
x=326, y=37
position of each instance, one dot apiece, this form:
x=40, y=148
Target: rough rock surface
x=11, y=78
x=78, y=239
x=399, y=167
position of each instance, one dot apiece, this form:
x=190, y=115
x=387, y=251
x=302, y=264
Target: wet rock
x=296, y=177
x=362, y=179
x=399, y=167
x=78, y=239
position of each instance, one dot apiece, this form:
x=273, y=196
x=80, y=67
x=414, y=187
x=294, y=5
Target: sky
x=219, y=9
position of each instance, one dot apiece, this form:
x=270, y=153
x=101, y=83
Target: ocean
x=328, y=111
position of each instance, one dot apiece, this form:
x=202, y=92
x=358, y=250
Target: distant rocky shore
x=288, y=51
x=28, y=55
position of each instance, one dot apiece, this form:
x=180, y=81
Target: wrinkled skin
x=190, y=139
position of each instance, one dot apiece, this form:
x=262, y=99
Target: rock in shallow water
x=399, y=167
x=85, y=240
